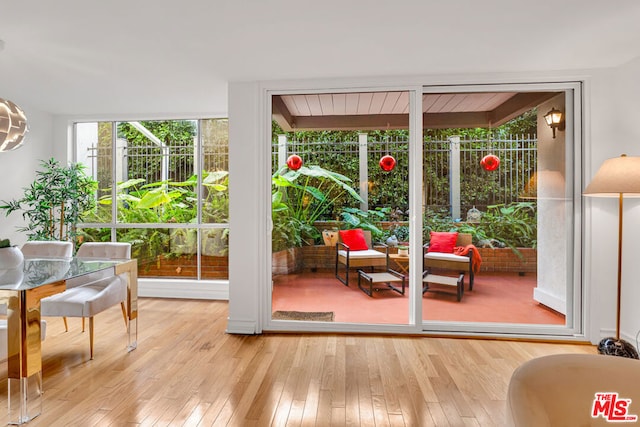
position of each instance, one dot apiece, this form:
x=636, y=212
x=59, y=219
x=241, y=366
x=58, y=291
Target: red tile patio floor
x=496, y=297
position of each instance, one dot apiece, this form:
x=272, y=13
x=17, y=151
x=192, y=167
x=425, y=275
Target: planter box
x=304, y=259
x=286, y=261
x=185, y=266
x=322, y=258
x=503, y=259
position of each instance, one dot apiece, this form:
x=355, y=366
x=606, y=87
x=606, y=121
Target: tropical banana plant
x=307, y=194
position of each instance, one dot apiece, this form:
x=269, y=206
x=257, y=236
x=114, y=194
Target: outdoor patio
x=496, y=297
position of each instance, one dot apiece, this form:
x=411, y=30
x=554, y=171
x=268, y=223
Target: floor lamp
x=617, y=177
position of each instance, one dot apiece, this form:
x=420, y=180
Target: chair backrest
x=36, y=249
x=105, y=250
x=464, y=239
x=367, y=237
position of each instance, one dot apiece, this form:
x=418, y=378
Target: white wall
x=246, y=226
x=18, y=167
x=615, y=129
x=553, y=223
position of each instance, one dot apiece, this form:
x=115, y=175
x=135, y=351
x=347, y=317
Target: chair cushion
x=369, y=253
x=442, y=241
x=354, y=239
x=87, y=300
x=446, y=257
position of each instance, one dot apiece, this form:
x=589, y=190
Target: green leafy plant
x=5, y=243
x=439, y=220
x=55, y=202
x=515, y=224
x=356, y=218
x=306, y=195
x=165, y=202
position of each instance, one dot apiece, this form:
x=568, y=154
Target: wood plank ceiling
x=390, y=110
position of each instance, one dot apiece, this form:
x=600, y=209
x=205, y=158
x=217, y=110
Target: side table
x=388, y=277
x=401, y=261
x=444, y=280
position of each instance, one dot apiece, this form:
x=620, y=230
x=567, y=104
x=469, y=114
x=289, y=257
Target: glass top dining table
x=21, y=289
x=35, y=272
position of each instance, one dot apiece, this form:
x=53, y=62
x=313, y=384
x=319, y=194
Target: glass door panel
x=340, y=201
x=498, y=211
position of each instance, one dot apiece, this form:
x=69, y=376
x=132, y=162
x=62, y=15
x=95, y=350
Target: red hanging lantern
x=387, y=163
x=294, y=162
x=490, y=162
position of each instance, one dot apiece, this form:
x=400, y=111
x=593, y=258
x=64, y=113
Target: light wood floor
x=187, y=371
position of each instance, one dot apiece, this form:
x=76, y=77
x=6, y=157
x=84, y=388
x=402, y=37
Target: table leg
x=24, y=356
x=131, y=268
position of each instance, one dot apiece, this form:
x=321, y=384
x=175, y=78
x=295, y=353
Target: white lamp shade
x=13, y=125
x=620, y=175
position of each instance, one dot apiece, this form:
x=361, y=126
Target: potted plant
x=53, y=204
x=403, y=250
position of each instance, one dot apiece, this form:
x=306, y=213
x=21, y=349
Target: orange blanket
x=476, y=259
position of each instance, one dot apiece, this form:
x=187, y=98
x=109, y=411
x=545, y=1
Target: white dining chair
x=47, y=249
x=96, y=293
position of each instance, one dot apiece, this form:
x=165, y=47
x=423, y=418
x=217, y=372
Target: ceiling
x=177, y=58
x=390, y=110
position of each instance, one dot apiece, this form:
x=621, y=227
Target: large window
x=163, y=187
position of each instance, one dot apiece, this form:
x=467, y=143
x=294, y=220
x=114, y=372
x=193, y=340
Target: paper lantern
x=13, y=125
x=294, y=162
x=490, y=162
x=387, y=163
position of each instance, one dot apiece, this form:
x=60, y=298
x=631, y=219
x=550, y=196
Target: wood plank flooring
x=188, y=372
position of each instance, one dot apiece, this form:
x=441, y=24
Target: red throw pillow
x=442, y=242
x=354, y=239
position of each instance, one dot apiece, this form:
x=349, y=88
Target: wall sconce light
x=13, y=125
x=554, y=120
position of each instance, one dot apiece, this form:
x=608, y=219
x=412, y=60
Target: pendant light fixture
x=490, y=162
x=387, y=162
x=13, y=125
x=294, y=162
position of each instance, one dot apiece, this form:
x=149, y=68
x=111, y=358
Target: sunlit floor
x=496, y=297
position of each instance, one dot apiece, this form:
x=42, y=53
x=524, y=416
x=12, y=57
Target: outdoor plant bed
x=505, y=259
x=322, y=258
x=286, y=261
x=185, y=266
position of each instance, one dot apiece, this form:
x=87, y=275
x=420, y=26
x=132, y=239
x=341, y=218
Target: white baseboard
x=180, y=288
x=550, y=300
x=243, y=327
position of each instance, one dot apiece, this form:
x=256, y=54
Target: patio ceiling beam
x=386, y=121
x=353, y=122
x=282, y=115
x=455, y=120
x=516, y=105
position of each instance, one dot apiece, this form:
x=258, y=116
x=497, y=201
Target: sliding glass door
x=340, y=206
x=499, y=212
x=468, y=197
